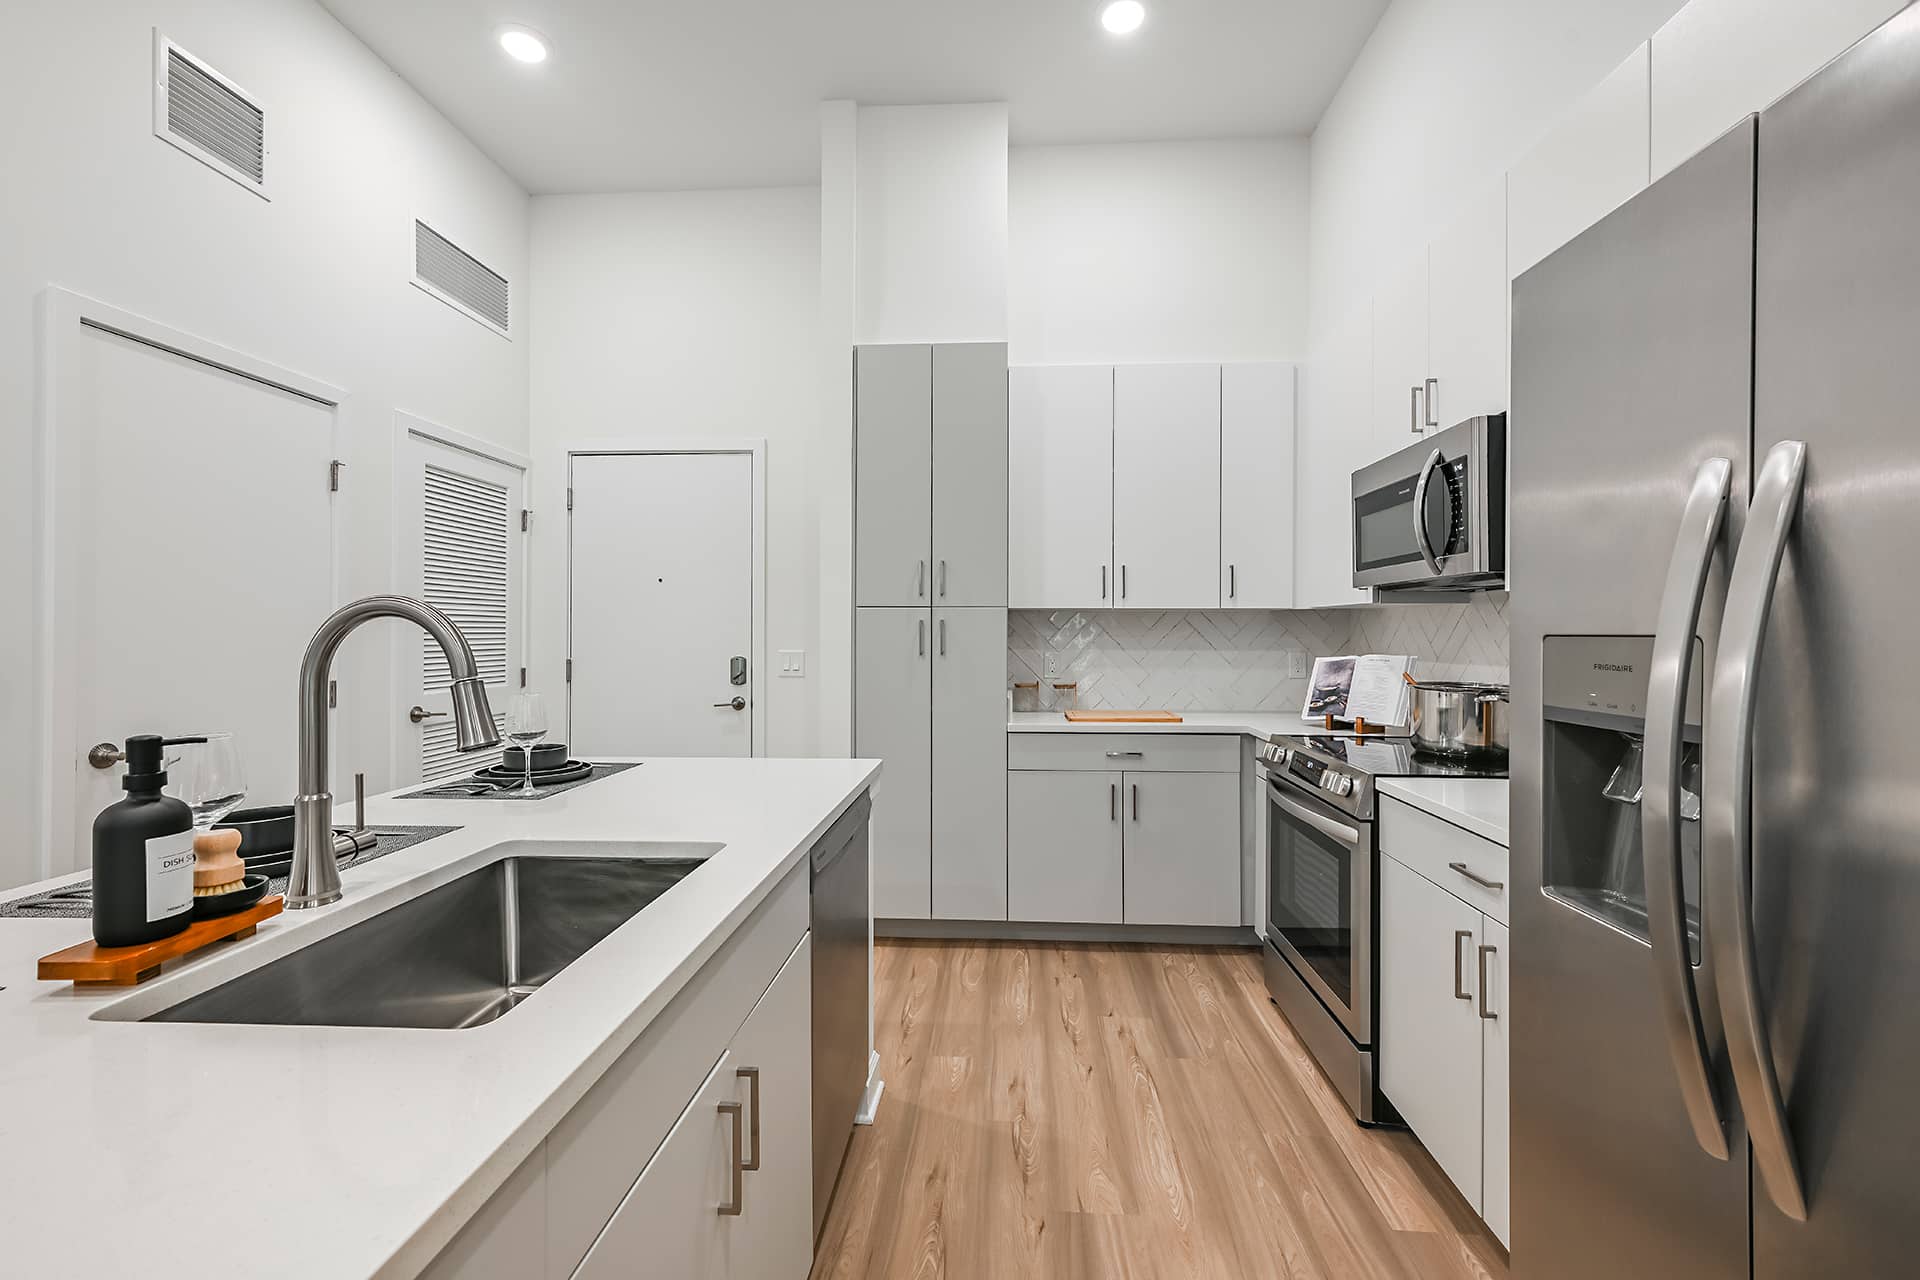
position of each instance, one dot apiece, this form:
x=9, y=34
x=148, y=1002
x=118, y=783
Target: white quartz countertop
x=1265, y=725
x=1478, y=805
x=178, y=1149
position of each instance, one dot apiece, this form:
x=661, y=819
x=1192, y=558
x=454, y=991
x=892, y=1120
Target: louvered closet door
x=468, y=560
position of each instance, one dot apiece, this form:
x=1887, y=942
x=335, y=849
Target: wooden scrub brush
x=217, y=867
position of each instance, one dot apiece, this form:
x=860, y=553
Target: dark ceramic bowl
x=546, y=755
x=263, y=831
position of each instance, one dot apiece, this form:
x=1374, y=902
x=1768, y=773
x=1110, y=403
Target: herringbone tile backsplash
x=1237, y=659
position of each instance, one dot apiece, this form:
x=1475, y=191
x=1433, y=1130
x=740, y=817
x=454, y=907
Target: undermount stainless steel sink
x=459, y=955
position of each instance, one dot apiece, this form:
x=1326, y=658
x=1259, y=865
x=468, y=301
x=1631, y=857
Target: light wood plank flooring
x=1120, y=1113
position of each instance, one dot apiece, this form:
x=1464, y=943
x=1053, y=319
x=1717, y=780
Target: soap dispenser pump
x=143, y=853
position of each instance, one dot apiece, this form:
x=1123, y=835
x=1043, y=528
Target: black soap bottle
x=143, y=854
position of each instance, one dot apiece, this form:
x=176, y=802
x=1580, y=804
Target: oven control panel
x=1310, y=772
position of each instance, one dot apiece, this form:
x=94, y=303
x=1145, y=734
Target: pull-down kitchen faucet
x=314, y=879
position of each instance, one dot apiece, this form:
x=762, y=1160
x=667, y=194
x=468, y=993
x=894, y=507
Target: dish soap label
x=169, y=875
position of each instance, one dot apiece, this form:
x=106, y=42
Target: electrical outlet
x=1053, y=665
x=792, y=663
x=1297, y=664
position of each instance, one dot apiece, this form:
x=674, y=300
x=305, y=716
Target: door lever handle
x=738, y=704
x=420, y=713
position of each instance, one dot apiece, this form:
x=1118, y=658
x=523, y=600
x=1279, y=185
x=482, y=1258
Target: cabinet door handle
x=1459, y=993
x=1433, y=385
x=920, y=580
x=1482, y=881
x=1233, y=582
x=1123, y=582
x=1484, y=1012
x=731, y=1209
x=943, y=637
x=1136, y=801
x=943, y=579
x=1413, y=410
x=1103, y=582
x=922, y=627
x=1113, y=802
x=752, y=1076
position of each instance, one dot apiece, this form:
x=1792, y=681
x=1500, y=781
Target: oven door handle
x=1349, y=836
x=1420, y=513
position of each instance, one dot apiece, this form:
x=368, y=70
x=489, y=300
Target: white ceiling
x=663, y=94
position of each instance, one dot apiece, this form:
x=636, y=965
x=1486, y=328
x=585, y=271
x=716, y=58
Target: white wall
x=1445, y=96
x=677, y=316
x=1164, y=251
x=317, y=280
x=932, y=224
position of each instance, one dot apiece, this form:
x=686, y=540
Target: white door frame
x=63, y=314
x=756, y=450
x=412, y=426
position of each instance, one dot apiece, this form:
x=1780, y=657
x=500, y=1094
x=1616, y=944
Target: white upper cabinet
x=1166, y=486
x=1060, y=514
x=1256, y=486
x=1400, y=366
x=1336, y=395
x=1718, y=60
x=1592, y=162
x=893, y=465
x=969, y=474
x=1467, y=312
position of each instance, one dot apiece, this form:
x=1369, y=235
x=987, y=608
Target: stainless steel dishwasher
x=840, y=992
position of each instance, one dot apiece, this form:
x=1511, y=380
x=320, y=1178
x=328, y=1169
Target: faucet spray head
x=473, y=727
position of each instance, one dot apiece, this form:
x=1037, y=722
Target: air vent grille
x=449, y=271
x=207, y=116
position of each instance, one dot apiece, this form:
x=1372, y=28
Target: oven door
x=1320, y=901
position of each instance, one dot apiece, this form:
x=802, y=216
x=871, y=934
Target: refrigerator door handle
x=1420, y=514
x=1727, y=832
x=1701, y=522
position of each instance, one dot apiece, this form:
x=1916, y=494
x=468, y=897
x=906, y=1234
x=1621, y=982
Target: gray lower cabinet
x=969, y=853
x=893, y=722
x=1063, y=847
x=893, y=475
x=1124, y=829
x=1182, y=848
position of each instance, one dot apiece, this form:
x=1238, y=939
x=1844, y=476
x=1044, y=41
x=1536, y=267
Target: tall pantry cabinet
x=930, y=631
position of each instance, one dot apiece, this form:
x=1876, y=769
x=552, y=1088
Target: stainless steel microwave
x=1433, y=516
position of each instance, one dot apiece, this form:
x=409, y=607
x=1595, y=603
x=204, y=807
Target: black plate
x=575, y=770
x=252, y=889
x=263, y=831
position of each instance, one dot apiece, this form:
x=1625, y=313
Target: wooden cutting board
x=1123, y=717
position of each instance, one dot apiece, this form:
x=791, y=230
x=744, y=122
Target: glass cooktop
x=1392, y=758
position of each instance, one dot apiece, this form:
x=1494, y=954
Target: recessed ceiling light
x=523, y=44
x=1123, y=17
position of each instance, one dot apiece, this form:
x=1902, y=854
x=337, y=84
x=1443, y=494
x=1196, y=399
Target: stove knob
x=1343, y=785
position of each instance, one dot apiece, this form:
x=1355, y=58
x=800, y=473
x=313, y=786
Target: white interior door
x=193, y=558
x=660, y=601
x=467, y=557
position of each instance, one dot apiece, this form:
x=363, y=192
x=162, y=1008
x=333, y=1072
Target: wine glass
x=527, y=726
x=212, y=779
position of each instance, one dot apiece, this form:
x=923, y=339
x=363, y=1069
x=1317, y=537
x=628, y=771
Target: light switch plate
x=1297, y=664
x=792, y=663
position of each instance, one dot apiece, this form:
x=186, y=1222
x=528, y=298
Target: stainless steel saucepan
x=1462, y=721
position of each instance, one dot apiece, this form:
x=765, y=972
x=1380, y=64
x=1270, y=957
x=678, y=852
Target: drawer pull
x=1125, y=755
x=752, y=1076
x=1482, y=881
x=731, y=1209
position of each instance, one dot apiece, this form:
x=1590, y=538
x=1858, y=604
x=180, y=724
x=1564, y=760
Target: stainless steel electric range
x=1323, y=906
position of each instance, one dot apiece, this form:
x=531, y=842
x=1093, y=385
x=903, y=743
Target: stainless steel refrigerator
x=1715, y=463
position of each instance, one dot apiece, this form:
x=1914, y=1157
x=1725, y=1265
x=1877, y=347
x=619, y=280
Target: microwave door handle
x=1349, y=836
x=1726, y=793
x=1420, y=513
x=1701, y=522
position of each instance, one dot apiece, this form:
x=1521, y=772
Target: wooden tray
x=89, y=964
x=1123, y=717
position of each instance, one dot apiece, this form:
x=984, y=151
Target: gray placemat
x=75, y=901
x=450, y=788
